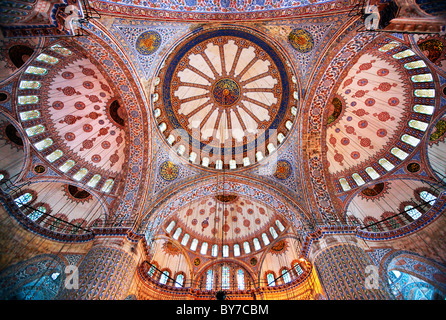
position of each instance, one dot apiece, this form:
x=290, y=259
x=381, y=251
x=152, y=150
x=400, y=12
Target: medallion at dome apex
x=224, y=98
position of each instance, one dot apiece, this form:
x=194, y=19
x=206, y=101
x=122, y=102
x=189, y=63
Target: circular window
x=225, y=99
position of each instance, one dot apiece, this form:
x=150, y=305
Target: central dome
x=225, y=98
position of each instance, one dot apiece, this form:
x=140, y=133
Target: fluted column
x=346, y=272
x=105, y=273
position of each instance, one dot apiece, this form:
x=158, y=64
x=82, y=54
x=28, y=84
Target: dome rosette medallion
x=224, y=99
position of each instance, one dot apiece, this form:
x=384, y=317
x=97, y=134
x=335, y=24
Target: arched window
x=29, y=85
x=240, y=279
x=179, y=281
x=358, y=179
x=108, y=184
x=246, y=247
x=67, y=166
x=397, y=152
x=177, y=233
x=225, y=277
x=164, y=277
x=185, y=239
x=372, y=173
x=60, y=50
x=415, y=65
x=78, y=176
x=423, y=109
x=214, y=251
x=36, y=214
x=43, y=144
x=53, y=156
x=236, y=249
x=426, y=77
x=28, y=115
x=204, y=248
x=194, y=244
x=280, y=225
x=410, y=140
x=412, y=212
x=94, y=181
x=225, y=251
x=386, y=164
x=403, y=54
x=27, y=99
x=286, y=276
x=210, y=280
x=36, y=71
x=256, y=244
x=428, y=197
x=265, y=239
x=270, y=280
x=273, y=232
x=170, y=226
x=344, y=184
x=297, y=268
x=151, y=271
x=23, y=199
x=47, y=59
x=419, y=125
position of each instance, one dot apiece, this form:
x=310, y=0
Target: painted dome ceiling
x=225, y=99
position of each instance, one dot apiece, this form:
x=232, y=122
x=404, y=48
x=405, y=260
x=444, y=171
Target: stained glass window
x=47, y=59
x=389, y=46
x=28, y=99
x=423, y=109
x=210, y=280
x=151, y=270
x=410, y=140
x=246, y=247
x=32, y=131
x=67, y=165
x=43, y=144
x=36, y=214
x=372, y=173
x=194, y=244
x=185, y=239
x=36, y=70
x=94, y=181
x=270, y=280
x=419, y=125
x=179, y=281
x=415, y=64
x=344, y=184
x=286, y=276
x=164, y=277
x=425, y=93
x=80, y=174
x=236, y=249
x=214, y=251
x=240, y=279
x=397, y=152
x=28, y=115
x=204, y=248
x=61, y=50
x=428, y=197
x=23, y=199
x=53, y=156
x=225, y=277
x=358, y=179
x=177, y=233
x=403, y=54
x=108, y=184
x=29, y=85
x=425, y=77
x=412, y=212
x=298, y=269
x=386, y=164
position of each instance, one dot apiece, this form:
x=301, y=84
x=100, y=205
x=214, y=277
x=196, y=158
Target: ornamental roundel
x=224, y=98
x=148, y=42
x=168, y=170
x=283, y=170
x=301, y=40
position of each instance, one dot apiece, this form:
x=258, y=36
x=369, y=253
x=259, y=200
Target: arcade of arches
x=264, y=149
